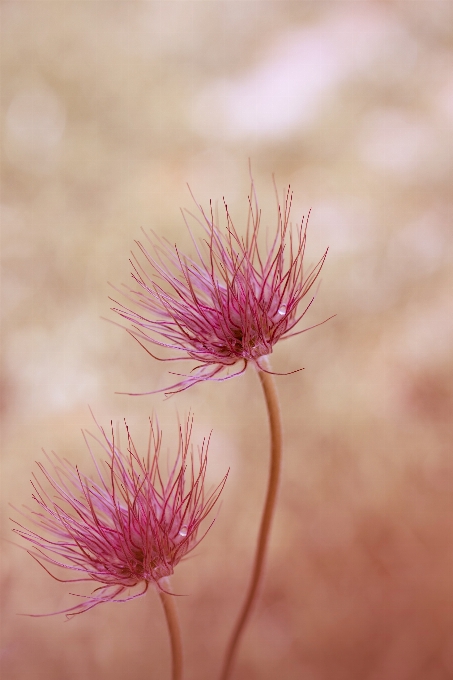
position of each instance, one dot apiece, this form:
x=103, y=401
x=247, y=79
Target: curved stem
x=270, y=394
x=168, y=602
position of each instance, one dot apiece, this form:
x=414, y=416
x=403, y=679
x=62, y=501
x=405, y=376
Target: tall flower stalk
x=128, y=528
x=275, y=424
x=171, y=615
x=224, y=309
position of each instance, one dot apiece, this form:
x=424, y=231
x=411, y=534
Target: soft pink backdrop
x=108, y=109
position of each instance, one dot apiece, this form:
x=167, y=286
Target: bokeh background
x=108, y=110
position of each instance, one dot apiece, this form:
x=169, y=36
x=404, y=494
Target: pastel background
x=108, y=110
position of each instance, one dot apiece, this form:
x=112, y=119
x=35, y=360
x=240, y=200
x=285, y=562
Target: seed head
x=230, y=304
x=131, y=526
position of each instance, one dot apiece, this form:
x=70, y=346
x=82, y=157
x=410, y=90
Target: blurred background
x=109, y=109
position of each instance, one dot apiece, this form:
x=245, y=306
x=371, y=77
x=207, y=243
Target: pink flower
x=128, y=528
x=230, y=304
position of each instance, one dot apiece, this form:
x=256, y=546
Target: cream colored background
x=108, y=109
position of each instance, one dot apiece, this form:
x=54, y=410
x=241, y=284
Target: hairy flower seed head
x=131, y=526
x=230, y=304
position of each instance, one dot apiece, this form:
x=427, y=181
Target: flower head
x=131, y=526
x=230, y=304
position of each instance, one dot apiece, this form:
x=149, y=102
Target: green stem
x=273, y=408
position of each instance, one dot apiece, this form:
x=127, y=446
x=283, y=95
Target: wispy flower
x=129, y=528
x=230, y=304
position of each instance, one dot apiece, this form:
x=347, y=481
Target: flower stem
x=168, y=602
x=270, y=394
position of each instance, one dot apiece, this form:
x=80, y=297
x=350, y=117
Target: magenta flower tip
x=230, y=304
x=129, y=527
